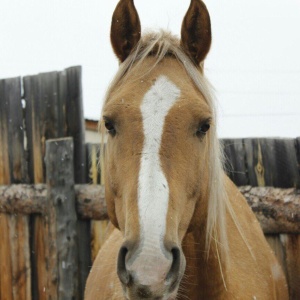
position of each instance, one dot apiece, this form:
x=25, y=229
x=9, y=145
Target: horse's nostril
x=173, y=274
x=175, y=263
x=123, y=274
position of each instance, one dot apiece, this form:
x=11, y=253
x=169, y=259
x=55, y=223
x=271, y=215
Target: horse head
x=162, y=158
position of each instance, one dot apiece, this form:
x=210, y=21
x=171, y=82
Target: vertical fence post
x=75, y=128
x=62, y=218
x=15, y=269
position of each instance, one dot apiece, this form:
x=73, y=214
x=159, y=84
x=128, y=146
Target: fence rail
x=278, y=210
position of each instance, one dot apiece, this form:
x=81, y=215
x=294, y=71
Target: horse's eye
x=110, y=127
x=202, y=129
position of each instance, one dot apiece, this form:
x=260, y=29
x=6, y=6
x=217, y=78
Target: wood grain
x=291, y=246
x=75, y=128
x=98, y=228
x=15, y=253
x=62, y=219
x=41, y=116
x=235, y=164
x=5, y=251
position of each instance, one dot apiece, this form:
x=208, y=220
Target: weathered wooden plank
x=257, y=160
x=35, y=142
x=62, y=218
x=271, y=162
x=19, y=228
x=286, y=160
x=291, y=245
x=6, y=289
x=62, y=103
x=235, y=163
x=20, y=257
x=76, y=129
x=42, y=121
x=13, y=128
x=93, y=157
x=5, y=266
x=4, y=158
x=41, y=97
x=98, y=228
x=75, y=122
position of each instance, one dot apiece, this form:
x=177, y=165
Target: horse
x=179, y=228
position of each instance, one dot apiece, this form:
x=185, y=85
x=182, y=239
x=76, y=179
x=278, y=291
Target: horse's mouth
x=171, y=296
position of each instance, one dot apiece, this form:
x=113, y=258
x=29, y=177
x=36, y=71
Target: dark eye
x=110, y=127
x=203, y=128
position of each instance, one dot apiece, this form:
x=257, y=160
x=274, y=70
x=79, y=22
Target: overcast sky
x=254, y=62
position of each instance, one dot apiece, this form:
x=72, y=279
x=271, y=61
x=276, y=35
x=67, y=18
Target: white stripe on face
x=153, y=189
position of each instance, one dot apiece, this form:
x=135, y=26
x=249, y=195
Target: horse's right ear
x=125, y=29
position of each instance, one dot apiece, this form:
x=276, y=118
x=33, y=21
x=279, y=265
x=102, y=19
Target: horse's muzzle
x=149, y=275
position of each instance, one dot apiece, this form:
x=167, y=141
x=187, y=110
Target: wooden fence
x=34, y=109
x=52, y=204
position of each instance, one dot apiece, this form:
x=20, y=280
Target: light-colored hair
x=159, y=45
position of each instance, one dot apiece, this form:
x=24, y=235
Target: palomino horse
x=180, y=228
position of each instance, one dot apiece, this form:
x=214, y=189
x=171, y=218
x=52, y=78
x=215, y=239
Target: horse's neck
x=203, y=277
x=204, y=273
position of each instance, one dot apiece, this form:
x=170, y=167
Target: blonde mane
x=160, y=45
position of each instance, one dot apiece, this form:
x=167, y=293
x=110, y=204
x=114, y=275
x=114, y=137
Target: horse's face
x=156, y=169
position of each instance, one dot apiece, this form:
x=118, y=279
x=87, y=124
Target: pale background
x=254, y=62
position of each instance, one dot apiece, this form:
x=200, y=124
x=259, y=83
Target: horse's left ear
x=125, y=29
x=196, y=31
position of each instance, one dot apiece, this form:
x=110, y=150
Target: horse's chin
x=165, y=296
x=168, y=297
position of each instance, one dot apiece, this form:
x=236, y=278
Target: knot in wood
x=59, y=200
x=260, y=173
x=259, y=168
x=65, y=156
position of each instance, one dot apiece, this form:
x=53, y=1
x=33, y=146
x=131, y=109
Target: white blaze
x=153, y=189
